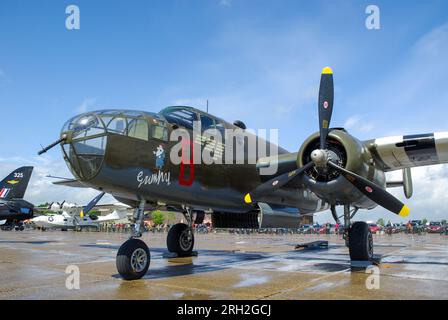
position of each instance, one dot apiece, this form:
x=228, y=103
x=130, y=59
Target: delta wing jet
x=13, y=208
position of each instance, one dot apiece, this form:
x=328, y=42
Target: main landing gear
x=133, y=257
x=358, y=237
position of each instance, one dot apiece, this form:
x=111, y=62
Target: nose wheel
x=133, y=259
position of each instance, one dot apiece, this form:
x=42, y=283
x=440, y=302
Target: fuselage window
x=181, y=117
x=117, y=125
x=138, y=128
x=207, y=123
x=159, y=132
x=222, y=130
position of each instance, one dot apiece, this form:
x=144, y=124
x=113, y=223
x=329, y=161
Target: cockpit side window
x=181, y=117
x=138, y=128
x=221, y=128
x=159, y=131
x=117, y=125
x=207, y=123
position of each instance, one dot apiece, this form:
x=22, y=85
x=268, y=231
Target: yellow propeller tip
x=404, y=212
x=327, y=70
x=247, y=198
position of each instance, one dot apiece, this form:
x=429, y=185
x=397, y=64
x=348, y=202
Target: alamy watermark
x=373, y=20
x=73, y=20
x=373, y=280
x=73, y=280
x=240, y=147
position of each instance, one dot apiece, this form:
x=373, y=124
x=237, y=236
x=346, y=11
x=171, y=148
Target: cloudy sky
x=255, y=60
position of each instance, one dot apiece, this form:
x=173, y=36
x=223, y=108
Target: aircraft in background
x=65, y=220
x=13, y=209
x=128, y=155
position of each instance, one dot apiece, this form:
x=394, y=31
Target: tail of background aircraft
x=117, y=214
x=15, y=184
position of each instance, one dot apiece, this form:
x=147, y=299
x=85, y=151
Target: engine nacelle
x=268, y=216
x=278, y=217
x=349, y=153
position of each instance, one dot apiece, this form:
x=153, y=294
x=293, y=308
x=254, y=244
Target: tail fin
x=117, y=214
x=15, y=184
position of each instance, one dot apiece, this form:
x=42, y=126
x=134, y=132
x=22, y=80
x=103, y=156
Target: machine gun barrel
x=62, y=139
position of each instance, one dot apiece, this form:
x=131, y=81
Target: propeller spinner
x=322, y=159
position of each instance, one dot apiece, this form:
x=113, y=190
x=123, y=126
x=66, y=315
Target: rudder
x=15, y=184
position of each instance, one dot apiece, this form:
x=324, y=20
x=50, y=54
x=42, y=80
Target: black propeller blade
x=326, y=98
x=275, y=183
x=91, y=204
x=373, y=191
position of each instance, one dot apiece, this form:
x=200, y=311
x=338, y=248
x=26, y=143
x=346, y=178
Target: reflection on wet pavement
x=32, y=266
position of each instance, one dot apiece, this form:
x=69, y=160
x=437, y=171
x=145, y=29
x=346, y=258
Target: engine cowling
x=349, y=153
x=268, y=216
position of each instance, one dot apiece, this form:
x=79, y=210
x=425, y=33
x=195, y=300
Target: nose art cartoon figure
x=160, y=157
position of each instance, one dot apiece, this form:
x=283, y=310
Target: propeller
x=321, y=159
x=276, y=183
x=373, y=192
x=326, y=98
x=91, y=204
x=60, y=204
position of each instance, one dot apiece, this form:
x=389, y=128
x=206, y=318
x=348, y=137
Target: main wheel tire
x=180, y=240
x=133, y=259
x=360, y=242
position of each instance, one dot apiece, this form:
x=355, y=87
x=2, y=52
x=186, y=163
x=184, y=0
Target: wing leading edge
x=399, y=152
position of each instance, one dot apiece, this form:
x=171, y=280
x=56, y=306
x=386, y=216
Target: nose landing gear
x=133, y=257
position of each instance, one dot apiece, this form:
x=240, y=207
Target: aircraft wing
x=399, y=152
x=70, y=183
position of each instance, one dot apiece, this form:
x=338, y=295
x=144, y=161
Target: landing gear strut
x=358, y=237
x=133, y=257
x=180, y=239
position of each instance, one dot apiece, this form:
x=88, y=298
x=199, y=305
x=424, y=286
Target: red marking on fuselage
x=190, y=163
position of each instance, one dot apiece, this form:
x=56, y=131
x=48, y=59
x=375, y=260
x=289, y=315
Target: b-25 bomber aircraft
x=130, y=155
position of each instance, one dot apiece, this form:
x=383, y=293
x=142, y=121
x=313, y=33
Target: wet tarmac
x=33, y=265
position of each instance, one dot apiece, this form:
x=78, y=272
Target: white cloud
x=41, y=189
x=358, y=124
x=412, y=97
